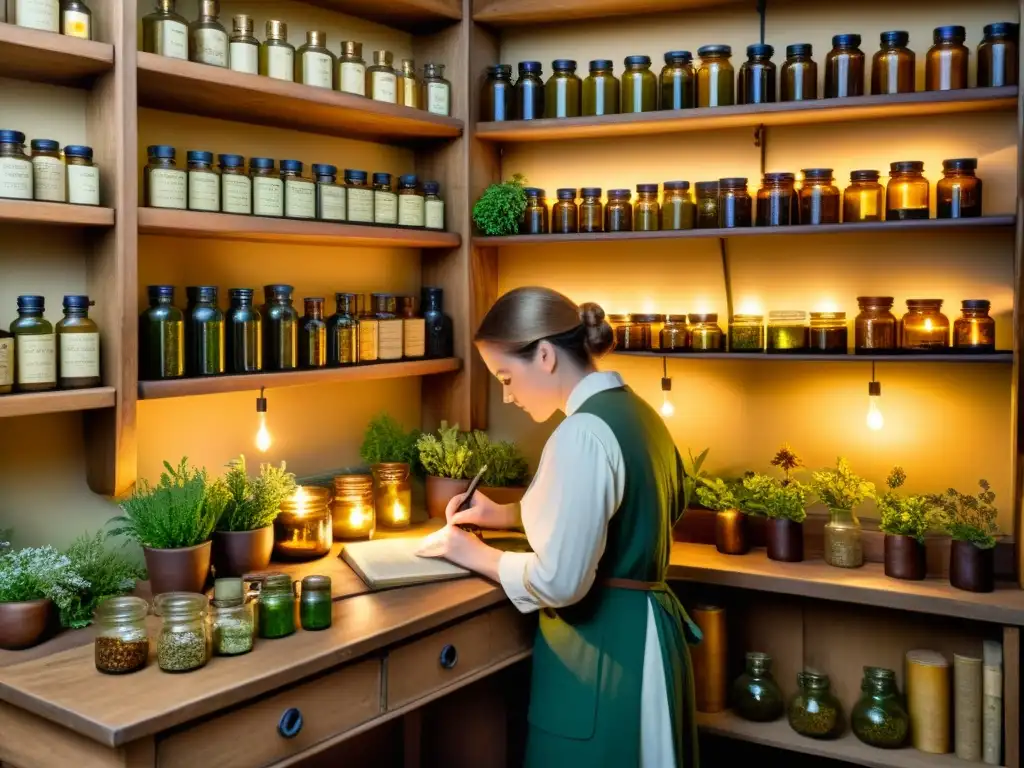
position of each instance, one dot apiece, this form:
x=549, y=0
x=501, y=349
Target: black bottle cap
x=904, y=166
x=161, y=292
x=561, y=65
x=241, y=294
x=502, y=70
x=647, y=188
x=619, y=193
x=199, y=156
x=261, y=162
x=590, y=192
x=817, y=173
x=14, y=137
x=599, y=64
x=846, y=41
x=204, y=293
x=566, y=193
x=732, y=181
x=163, y=151
x=950, y=33
x=324, y=169
x=799, y=49
x=707, y=186
x=775, y=178
x=45, y=145
x=530, y=66
x=714, y=50
x=279, y=290
x=78, y=150
x=534, y=192
x=960, y=164
x=382, y=178
x=431, y=187
x=637, y=61
x=677, y=185
x=760, y=49
x=1002, y=29
x=864, y=175
x=231, y=161
x=353, y=175
x=894, y=39
x=31, y=303
x=678, y=57
x=975, y=304
x=77, y=302
x=291, y=165
x=408, y=180
x=432, y=297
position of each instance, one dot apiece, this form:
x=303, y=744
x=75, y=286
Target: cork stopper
x=351, y=48
x=277, y=30
x=316, y=37
x=382, y=58
x=243, y=25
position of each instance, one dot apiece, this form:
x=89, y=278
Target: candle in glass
x=302, y=531
x=392, y=495
x=352, y=511
x=925, y=328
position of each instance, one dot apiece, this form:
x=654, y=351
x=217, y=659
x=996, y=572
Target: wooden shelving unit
x=45, y=57
x=409, y=15
x=55, y=214
x=508, y=13
x=36, y=403
x=997, y=358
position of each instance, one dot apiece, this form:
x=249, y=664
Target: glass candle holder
x=705, y=333
x=907, y=195
x=302, y=530
x=787, y=331
x=924, y=328
x=974, y=330
x=392, y=495
x=875, y=327
x=629, y=335
x=650, y=329
x=829, y=334
x=352, y=512
x=746, y=333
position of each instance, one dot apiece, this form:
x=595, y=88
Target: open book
x=393, y=562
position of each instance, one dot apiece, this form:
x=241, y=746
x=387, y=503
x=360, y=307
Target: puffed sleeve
x=578, y=487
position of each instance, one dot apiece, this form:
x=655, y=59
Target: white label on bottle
x=172, y=40
x=299, y=199
x=203, y=191
x=353, y=78
x=212, y=47
x=317, y=69
x=15, y=178
x=245, y=57
x=385, y=207
x=38, y=14
x=79, y=355
x=267, y=196
x=389, y=340
x=410, y=210
x=168, y=188
x=280, y=63
x=438, y=99
x=83, y=184
x=368, y=329
x=37, y=359
x=48, y=178
x=77, y=24
x=992, y=677
x=360, y=206
x=236, y=193
x=332, y=202
x=414, y=330
x=384, y=87
x=6, y=362
x=434, y=214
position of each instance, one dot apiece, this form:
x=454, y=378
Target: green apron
x=588, y=658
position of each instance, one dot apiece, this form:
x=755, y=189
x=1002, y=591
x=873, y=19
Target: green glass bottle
x=678, y=81
x=161, y=336
x=600, y=90
x=563, y=90
x=639, y=86
x=281, y=329
x=78, y=346
x=204, y=332
x=343, y=332
x=244, y=335
x=35, y=347
x=313, y=335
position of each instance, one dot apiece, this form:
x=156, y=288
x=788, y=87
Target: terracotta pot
x=239, y=552
x=970, y=568
x=504, y=494
x=178, y=570
x=25, y=624
x=904, y=558
x=731, y=532
x=440, y=491
x=784, y=540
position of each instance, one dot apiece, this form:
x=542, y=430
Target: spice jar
x=894, y=66
x=408, y=85
x=385, y=200
x=844, y=68
x=44, y=15
x=819, y=197
x=35, y=347
x=302, y=529
x=433, y=205
x=244, y=335
x=565, y=213
x=746, y=333
x=907, y=193
x=974, y=330
x=390, y=343
x=315, y=604
x=352, y=512
x=299, y=191
x=369, y=328
x=945, y=66
x=122, y=642
x=359, y=196
x=629, y=336
x=207, y=38
x=280, y=329
x=232, y=620
x=411, y=204
x=879, y=718
x=675, y=336
x=165, y=185
x=678, y=210
x=618, y=212
x=204, y=332
x=734, y=204
x=755, y=694
x=235, y=185
x=864, y=199
x=829, y=334
x=83, y=177
x=799, y=74
x=705, y=333
x=787, y=331
x=76, y=19
x=277, y=606
x=267, y=187
x=161, y=336
x=529, y=91
x=678, y=81
x=497, y=99
x=563, y=90
x=164, y=31
x=639, y=86
x=277, y=55
x=243, y=47
x=716, y=78
x=414, y=330
x=646, y=211
x=437, y=92
x=874, y=328
x=314, y=63
x=343, y=331
x=203, y=182
x=78, y=346
x=591, y=210
x=777, y=202
x=815, y=711
x=381, y=79
x=392, y=495
x=535, y=217
x=330, y=195
x=707, y=205
x=958, y=193
x=184, y=641
x=924, y=328
x=313, y=335
x=47, y=171
x=600, y=89
x=998, y=62
x=756, y=84
x=650, y=329
x=352, y=68
x=843, y=547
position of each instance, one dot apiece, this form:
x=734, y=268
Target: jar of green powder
x=315, y=603
x=231, y=618
x=277, y=606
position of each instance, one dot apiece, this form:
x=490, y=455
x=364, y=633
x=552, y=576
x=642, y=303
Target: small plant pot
x=236, y=553
x=178, y=570
x=905, y=558
x=504, y=494
x=731, y=532
x=971, y=568
x=25, y=624
x=785, y=540
x=440, y=491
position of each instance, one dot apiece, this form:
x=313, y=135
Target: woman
x=612, y=682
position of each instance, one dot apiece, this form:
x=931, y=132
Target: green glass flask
x=281, y=329
x=244, y=334
x=343, y=332
x=35, y=347
x=204, y=332
x=313, y=335
x=161, y=336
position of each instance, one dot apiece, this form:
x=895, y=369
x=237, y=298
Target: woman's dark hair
x=524, y=317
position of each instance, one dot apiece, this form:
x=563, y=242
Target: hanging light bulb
x=875, y=420
x=667, y=409
x=262, y=434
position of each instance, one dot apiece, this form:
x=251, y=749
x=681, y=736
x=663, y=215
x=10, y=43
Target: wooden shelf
x=56, y=214
x=226, y=226
x=151, y=390
x=751, y=115
x=35, y=403
x=865, y=586
x=507, y=13
x=414, y=16
x=46, y=57
x=198, y=89
x=1003, y=358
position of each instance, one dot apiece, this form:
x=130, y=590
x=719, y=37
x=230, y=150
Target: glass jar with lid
x=843, y=545
x=945, y=66
x=629, y=335
x=330, y=195
x=243, y=47
x=232, y=619
x=83, y=176
x=529, y=91
x=235, y=185
x=735, y=207
x=35, y=345
x=591, y=212
x=164, y=31
x=244, y=335
x=203, y=182
x=352, y=68
x=678, y=210
x=746, y=333
x=280, y=329
x=618, y=212
x=277, y=606
x=184, y=640
x=777, y=204
x=998, y=58
x=894, y=66
x=392, y=495
x=974, y=330
x=829, y=334
x=678, y=81
x=815, y=711
x=302, y=529
x=433, y=205
x=437, y=91
x=204, y=332
x=343, y=331
x=411, y=203
x=646, y=210
x=707, y=205
x=497, y=96
x=716, y=78
x=408, y=85
x=819, y=197
x=787, y=331
x=563, y=90
x=565, y=213
x=650, y=326
x=76, y=19
x=864, y=199
x=47, y=171
x=799, y=74
x=315, y=603
x=313, y=335
x=385, y=200
x=535, y=217
x=122, y=641
x=907, y=193
x=78, y=345
x=390, y=327
x=958, y=193
x=277, y=55
x=314, y=63
x=756, y=83
x=600, y=89
x=639, y=86
x=267, y=187
x=352, y=511
x=165, y=184
x=875, y=327
x=924, y=328
x=844, y=68
x=879, y=718
x=755, y=694
x=705, y=333
x=675, y=336
x=359, y=197
x=381, y=78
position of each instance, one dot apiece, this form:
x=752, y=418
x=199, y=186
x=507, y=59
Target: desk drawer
x=249, y=737
x=442, y=658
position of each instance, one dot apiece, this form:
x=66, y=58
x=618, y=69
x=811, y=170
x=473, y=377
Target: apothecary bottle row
x=714, y=81
x=67, y=17
x=264, y=189
x=876, y=330
x=206, y=41
x=204, y=340
x=50, y=174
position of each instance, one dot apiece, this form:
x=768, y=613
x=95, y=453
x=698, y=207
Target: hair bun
x=600, y=338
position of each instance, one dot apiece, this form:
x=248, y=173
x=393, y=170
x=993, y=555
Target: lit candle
x=398, y=513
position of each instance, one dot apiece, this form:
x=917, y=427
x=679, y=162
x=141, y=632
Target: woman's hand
x=456, y=546
x=482, y=511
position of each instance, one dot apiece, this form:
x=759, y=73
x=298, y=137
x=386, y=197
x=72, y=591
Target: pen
x=470, y=527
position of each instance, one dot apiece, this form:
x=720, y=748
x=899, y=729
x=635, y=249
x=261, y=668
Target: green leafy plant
x=775, y=499
x=506, y=465
x=179, y=511
x=693, y=476
x=38, y=573
x=253, y=503
x=969, y=518
x=903, y=515
x=839, y=488
x=500, y=208
x=386, y=441
x=445, y=456
x=718, y=495
x=106, y=572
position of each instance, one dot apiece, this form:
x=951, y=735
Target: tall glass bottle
x=352, y=68
x=436, y=94
x=389, y=327
x=165, y=32
x=35, y=347
x=369, y=327
x=799, y=74
x=844, y=68
x=78, y=346
x=600, y=90
x=414, y=330
x=563, y=90
x=277, y=55
x=716, y=78
x=243, y=48
x=161, y=336
x=529, y=91
x=313, y=335
x=207, y=38
x=497, y=100
x=639, y=86
x=204, y=332
x=280, y=329
x=343, y=331
x=678, y=81
x=945, y=67
x=408, y=85
x=756, y=84
x=440, y=339
x=314, y=63
x=998, y=58
x=381, y=78
x=244, y=334
x=893, y=66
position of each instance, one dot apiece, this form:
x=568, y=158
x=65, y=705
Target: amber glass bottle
x=998, y=62
x=777, y=203
x=707, y=205
x=600, y=90
x=204, y=332
x=974, y=330
x=875, y=328
x=313, y=335
x=945, y=67
x=864, y=199
x=678, y=81
x=618, y=213
x=497, y=99
x=799, y=74
x=958, y=193
x=161, y=336
x=535, y=217
x=591, y=210
x=78, y=346
x=819, y=197
x=893, y=66
x=343, y=331
x=280, y=329
x=716, y=78
x=646, y=211
x=924, y=328
x=678, y=210
x=563, y=91
x=244, y=336
x=907, y=193
x=564, y=213
x=735, y=208
x=844, y=68
x=756, y=84
x=639, y=86
x=529, y=91
x=35, y=347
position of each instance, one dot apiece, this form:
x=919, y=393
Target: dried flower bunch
x=904, y=515
x=969, y=518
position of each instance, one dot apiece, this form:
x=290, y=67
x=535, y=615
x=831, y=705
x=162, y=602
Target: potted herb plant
x=244, y=539
x=173, y=521
x=390, y=451
x=504, y=482
x=35, y=583
x=106, y=573
x=499, y=211
x=971, y=523
x=842, y=491
x=446, y=460
x=904, y=520
x=784, y=507
x=730, y=521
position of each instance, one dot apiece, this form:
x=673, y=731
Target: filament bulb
x=875, y=421
x=263, y=435
x=667, y=409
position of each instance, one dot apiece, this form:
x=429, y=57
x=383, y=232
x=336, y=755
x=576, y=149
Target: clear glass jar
x=879, y=718
x=646, y=210
x=864, y=199
x=618, y=212
x=83, y=176
x=678, y=81
x=302, y=529
x=565, y=213
x=203, y=183
x=799, y=74
x=907, y=193
x=352, y=68
x=410, y=90
x=352, y=511
x=433, y=205
x=755, y=694
x=639, y=85
x=707, y=205
x=535, y=217
x=650, y=327
x=359, y=197
x=563, y=91
x=894, y=66
x=843, y=546
x=184, y=642
x=267, y=187
x=232, y=620
x=735, y=207
x=600, y=89
x=122, y=641
x=746, y=333
x=844, y=68
x=756, y=84
x=716, y=78
x=678, y=210
x=529, y=91
x=277, y=55
x=299, y=191
x=276, y=607
x=777, y=201
x=385, y=200
x=330, y=195
x=47, y=171
x=875, y=329
x=164, y=31
x=958, y=193
x=207, y=38
x=819, y=197
x=815, y=711
x=945, y=67
x=392, y=495
x=924, y=328
x=974, y=330
x=787, y=331
x=315, y=65
x=165, y=184
x=411, y=203
x=705, y=333
x=675, y=336
x=591, y=213
x=315, y=603
x=497, y=101
x=437, y=92
x=243, y=47
x=235, y=185
x=998, y=57
x=829, y=334
x=381, y=78
x=629, y=335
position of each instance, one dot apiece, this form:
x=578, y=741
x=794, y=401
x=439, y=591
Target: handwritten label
x=353, y=78
x=212, y=47
x=79, y=355
x=83, y=184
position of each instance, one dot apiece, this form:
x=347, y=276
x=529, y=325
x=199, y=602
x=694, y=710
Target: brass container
x=710, y=658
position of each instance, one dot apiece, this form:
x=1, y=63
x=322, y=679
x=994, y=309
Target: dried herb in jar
x=115, y=656
x=181, y=651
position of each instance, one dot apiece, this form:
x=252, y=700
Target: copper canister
x=709, y=658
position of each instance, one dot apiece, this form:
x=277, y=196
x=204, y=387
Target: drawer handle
x=449, y=656
x=290, y=723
